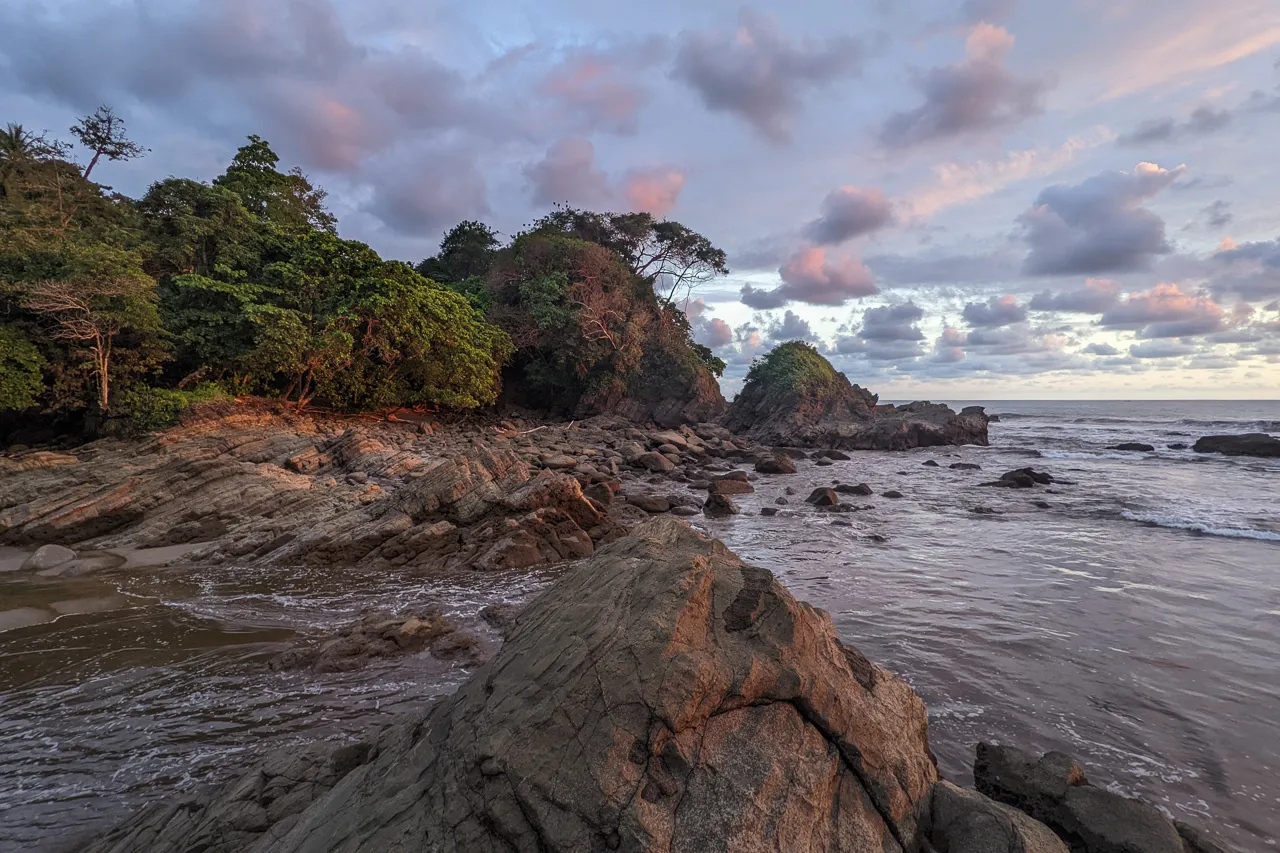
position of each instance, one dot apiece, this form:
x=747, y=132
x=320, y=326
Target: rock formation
x=796, y=398
x=1249, y=444
x=662, y=695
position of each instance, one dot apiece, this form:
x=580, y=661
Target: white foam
x=1206, y=528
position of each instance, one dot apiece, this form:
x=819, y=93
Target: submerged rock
x=1135, y=446
x=1021, y=478
x=48, y=557
x=794, y=397
x=661, y=696
x=779, y=464
x=861, y=489
x=719, y=506
x=823, y=497
x=1249, y=444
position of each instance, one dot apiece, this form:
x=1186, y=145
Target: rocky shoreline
x=260, y=483
x=662, y=695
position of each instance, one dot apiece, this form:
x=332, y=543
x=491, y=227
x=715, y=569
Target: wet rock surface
x=662, y=695
x=1249, y=444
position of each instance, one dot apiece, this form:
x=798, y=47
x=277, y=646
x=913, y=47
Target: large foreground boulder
x=1249, y=444
x=662, y=696
x=794, y=397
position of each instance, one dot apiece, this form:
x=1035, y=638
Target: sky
x=957, y=199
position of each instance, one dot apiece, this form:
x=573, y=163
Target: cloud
x=957, y=183
x=1202, y=121
x=595, y=88
x=759, y=74
x=1100, y=349
x=886, y=333
x=428, y=195
x=1013, y=340
x=996, y=311
x=653, y=190
x=975, y=95
x=812, y=277
x=1165, y=311
x=977, y=11
x=849, y=212
x=792, y=327
x=1160, y=349
x=949, y=347
x=1218, y=214
x=568, y=173
x=1097, y=295
x=1251, y=270
x=1098, y=225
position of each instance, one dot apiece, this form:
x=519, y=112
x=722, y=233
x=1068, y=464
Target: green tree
x=103, y=296
x=466, y=252
x=287, y=199
x=21, y=365
x=104, y=134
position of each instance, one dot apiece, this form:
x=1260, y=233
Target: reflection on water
x=1105, y=626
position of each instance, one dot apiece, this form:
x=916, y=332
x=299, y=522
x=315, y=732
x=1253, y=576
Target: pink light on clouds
x=654, y=190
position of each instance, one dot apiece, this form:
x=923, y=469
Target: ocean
x=1133, y=623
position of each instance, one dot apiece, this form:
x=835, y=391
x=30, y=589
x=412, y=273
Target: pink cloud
x=653, y=191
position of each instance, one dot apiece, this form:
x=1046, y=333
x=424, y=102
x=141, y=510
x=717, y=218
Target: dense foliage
x=793, y=366
x=124, y=311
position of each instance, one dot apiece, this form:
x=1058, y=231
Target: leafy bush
x=141, y=409
x=20, y=371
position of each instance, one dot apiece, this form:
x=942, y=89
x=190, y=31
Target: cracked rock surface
x=661, y=695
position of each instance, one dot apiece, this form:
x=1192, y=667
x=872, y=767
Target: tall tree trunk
x=102, y=359
x=92, y=163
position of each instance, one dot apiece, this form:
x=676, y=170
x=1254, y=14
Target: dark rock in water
x=1040, y=504
x=500, y=616
x=1135, y=446
x=892, y=493
x=965, y=466
x=835, y=455
x=983, y=510
x=769, y=510
x=823, y=497
x=736, y=474
x=861, y=489
x=376, y=635
x=1053, y=789
x=660, y=696
x=781, y=501
x=993, y=419
x=1022, y=478
x=1198, y=841
x=797, y=399
x=929, y=463
x=1177, y=445
x=776, y=465
x=719, y=506
x=824, y=463
x=791, y=452
x=965, y=821
x=686, y=511
x=1249, y=444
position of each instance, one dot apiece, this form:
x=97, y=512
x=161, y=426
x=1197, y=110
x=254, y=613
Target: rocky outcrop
x=1133, y=446
x=965, y=821
x=1249, y=444
x=1021, y=478
x=378, y=635
x=798, y=400
x=1053, y=790
x=662, y=695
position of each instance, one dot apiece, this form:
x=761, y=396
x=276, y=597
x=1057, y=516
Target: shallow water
x=1135, y=624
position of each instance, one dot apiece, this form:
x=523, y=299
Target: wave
x=1118, y=455
x=1206, y=528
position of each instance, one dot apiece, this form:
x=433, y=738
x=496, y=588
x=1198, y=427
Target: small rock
x=730, y=487
x=929, y=463
x=983, y=510
x=893, y=494
x=776, y=465
x=1040, y=504
x=655, y=462
x=768, y=510
x=685, y=511
x=862, y=489
x=781, y=501
x=1135, y=446
x=719, y=506
x=357, y=478
x=1177, y=445
x=823, y=497
x=48, y=557
x=965, y=466
x=650, y=503
x=824, y=463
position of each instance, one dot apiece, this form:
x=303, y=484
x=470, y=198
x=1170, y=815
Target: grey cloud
x=949, y=347
x=941, y=268
x=991, y=11
x=1098, y=225
x=1160, y=349
x=975, y=95
x=849, y=212
x=1012, y=340
x=708, y=331
x=1218, y=214
x=598, y=87
x=1097, y=295
x=759, y=74
x=812, y=277
x=1251, y=270
x=1100, y=349
x=568, y=173
x=792, y=327
x=1203, y=120
x=1165, y=311
x=996, y=311
x=892, y=323
x=430, y=195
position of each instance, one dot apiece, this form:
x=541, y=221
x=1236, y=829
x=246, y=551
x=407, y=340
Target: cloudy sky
x=957, y=199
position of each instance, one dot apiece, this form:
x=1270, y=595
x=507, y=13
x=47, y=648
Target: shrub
x=21, y=365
